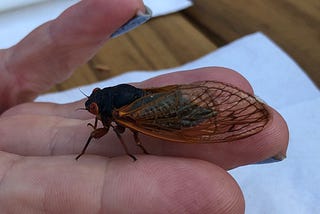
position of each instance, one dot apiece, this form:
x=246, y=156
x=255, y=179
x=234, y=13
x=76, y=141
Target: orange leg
x=96, y=133
x=118, y=130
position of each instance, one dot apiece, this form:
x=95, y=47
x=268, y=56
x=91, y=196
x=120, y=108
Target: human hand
x=39, y=142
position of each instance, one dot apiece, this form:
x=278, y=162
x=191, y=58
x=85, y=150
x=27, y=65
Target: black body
x=114, y=97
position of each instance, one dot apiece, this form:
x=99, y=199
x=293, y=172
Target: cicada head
x=102, y=102
x=94, y=104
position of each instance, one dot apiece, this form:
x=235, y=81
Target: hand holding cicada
x=60, y=130
x=39, y=141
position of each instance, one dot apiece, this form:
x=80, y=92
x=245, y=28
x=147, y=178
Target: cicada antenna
x=83, y=93
x=85, y=96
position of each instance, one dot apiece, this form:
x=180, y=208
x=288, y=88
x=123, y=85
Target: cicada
x=200, y=112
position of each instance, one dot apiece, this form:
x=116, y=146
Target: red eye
x=94, y=109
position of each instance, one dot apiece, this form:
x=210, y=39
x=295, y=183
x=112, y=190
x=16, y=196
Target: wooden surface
x=178, y=38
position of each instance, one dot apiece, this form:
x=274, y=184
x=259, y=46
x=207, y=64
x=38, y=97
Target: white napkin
x=290, y=186
x=36, y=12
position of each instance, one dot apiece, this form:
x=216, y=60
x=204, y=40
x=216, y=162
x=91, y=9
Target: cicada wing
x=201, y=112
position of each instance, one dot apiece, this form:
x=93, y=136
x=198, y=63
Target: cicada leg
x=95, y=124
x=96, y=133
x=118, y=130
x=138, y=142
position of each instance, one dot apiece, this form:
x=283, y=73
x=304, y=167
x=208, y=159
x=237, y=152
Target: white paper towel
x=290, y=186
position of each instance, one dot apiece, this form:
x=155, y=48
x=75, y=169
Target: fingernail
x=139, y=19
x=277, y=158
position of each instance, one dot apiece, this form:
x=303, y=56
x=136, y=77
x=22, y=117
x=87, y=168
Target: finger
x=70, y=110
x=149, y=185
x=271, y=141
x=42, y=135
x=201, y=74
x=51, y=52
x=50, y=135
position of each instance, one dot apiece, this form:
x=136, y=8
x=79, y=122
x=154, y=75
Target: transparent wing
x=201, y=112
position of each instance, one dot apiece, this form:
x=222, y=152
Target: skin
x=39, y=141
